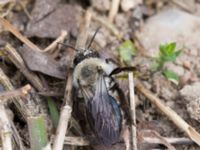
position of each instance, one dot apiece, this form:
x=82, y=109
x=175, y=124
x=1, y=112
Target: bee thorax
x=86, y=72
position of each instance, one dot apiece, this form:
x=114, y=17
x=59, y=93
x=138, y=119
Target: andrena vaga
x=103, y=97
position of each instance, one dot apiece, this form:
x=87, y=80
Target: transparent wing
x=104, y=114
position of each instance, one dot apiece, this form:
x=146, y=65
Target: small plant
x=126, y=51
x=167, y=53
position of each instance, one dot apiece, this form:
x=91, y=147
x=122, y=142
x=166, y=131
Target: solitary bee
x=93, y=77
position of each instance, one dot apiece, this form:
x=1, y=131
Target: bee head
x=84, y=54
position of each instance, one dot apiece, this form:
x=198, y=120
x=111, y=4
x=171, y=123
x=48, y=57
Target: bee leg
x=121, y=69
x=110, y=60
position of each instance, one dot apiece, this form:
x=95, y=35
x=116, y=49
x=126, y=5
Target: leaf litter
x=49, y=17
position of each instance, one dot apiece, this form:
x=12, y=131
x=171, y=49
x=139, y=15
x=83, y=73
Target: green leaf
x=126, y=51
x=170, y=75
x=177, y=53
x=167, y=53
x=54, y=114
x=171, y=47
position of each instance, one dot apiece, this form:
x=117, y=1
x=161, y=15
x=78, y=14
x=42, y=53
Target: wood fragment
x=19, y=63
x=15, y=93
x=54, y=44
x=113, y=10
x=8, y=26
x=172, y=115
x=133, y=112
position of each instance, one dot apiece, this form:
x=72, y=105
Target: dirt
x=146, y=24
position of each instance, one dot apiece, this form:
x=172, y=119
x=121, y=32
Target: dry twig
x=19, y=63
x=14, y=31
x=133, y=113
x=78, y=141
x=113, y=10
x=83, y=141
x=172, y=115
x=54, y=44
x=162, y=140
x=18, y=102
x=15, y=93
x=108, y=25
x=17, y=138
x=64, y=117
x=4, y=2
x=174, y=141
x=83, y=36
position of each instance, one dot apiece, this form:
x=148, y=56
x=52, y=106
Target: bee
x=92, y=75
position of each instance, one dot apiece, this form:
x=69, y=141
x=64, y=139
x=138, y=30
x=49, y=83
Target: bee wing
x=104, y=114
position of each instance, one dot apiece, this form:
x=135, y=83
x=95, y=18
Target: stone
x=170, y=25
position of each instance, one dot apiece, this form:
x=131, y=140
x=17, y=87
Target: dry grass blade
x=64, y=116
x=78, y=141
x=54, y=44
x=83, y=36
x=172, y=115
x=17, y=137
x=83, y=141
x=132, y=106
x=14, y=93
x=4, y=2
x=19, y=63
x=174, y=141
x=108, y=25
x=5, y=129
x=18, y=102
x=161, y=139
x=14, y=31
x=62, y=128
x=113, y=10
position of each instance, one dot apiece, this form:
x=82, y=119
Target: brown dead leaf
x=42, y=62
x=42, y=8
x=64, y=17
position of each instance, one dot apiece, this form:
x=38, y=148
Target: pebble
x=171, y=25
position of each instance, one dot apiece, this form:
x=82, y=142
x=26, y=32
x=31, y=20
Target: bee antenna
x=70, y=46
x=97, y=30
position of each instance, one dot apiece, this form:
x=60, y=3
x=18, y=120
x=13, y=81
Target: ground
x=131, y=32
